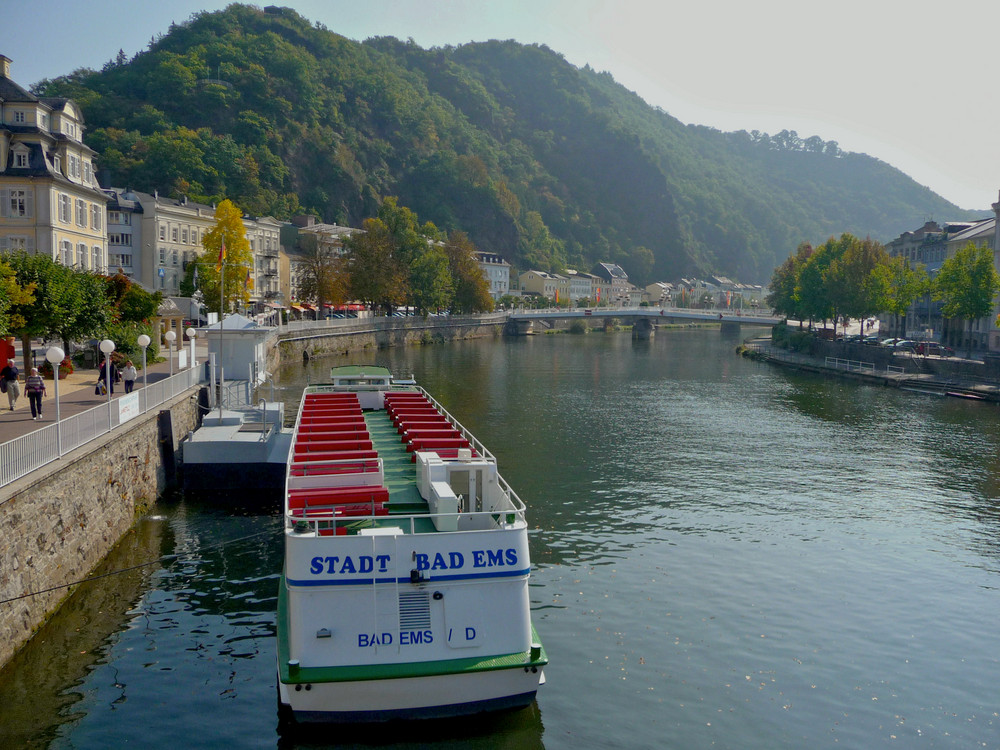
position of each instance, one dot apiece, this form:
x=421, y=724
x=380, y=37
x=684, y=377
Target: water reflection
x=40, y=688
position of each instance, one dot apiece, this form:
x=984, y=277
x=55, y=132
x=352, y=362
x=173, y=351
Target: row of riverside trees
x=847, y=277
x=396, y=261
x=40, y=298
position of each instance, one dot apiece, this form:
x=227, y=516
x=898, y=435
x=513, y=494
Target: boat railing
x=332, y=524
x=477, y=446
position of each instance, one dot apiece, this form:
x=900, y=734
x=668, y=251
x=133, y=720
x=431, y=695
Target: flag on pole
x=194, y=279
x=222, y=255
x=248, y=282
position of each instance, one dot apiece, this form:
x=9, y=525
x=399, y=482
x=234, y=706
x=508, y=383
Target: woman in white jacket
x=129, y=375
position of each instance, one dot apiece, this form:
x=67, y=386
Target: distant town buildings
x=930, y=246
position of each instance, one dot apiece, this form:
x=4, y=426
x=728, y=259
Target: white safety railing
x=23, y=455
x=852, y=365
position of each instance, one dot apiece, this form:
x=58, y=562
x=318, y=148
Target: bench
x=335, y=496
x=328, y=446
x=432, y=444
x=311, y=457
x=417, y=433
x=323, y=468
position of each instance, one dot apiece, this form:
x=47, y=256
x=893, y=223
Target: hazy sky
x=910, y=82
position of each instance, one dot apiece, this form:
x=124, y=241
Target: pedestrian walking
x=115, y=377
x=9, y=383
x=34, y=387
x=129, y=374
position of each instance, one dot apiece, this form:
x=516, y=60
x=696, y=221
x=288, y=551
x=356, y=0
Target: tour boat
x=404, y=593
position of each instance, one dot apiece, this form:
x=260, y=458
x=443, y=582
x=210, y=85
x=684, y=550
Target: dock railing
x=23, y=455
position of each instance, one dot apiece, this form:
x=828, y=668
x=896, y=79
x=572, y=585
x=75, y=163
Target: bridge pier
x=730, y=328
x=642, y=329
x=518, y=327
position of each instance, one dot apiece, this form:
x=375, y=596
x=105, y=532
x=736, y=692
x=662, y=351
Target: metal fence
x=23, y=455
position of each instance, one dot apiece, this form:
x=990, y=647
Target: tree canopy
x=227, y=261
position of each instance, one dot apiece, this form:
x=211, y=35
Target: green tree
x=323, y=273
x=232, y=267
x=811, y=290
x=967, y=285
x=784, y=281
x=430, y=280
x=377, y=275
x=856, y=281
x=12, y=294
x=905, y=285
x=68, y=305
x=471, y=289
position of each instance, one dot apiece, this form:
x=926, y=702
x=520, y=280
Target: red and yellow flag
x=222, y=255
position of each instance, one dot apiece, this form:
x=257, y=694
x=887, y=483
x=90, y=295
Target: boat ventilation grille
x=414, y=610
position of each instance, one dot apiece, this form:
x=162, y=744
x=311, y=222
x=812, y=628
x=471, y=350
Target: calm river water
x=726, y=555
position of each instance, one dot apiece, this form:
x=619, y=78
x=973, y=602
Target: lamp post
x=144, y=341
x=170, y=336
x=107, y=346
x=191, y=334
x=54, y=356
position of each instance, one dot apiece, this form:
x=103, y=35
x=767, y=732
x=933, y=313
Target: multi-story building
x=980, y=335
x=615, y=284
x=50, y=202
x=171, y=235
x=496, y=271
x=926, y=247
x=581, y=285
x=124, y=233
x=264, y=236
x=539, y=282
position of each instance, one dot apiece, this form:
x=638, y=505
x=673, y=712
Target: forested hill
x=545, y=163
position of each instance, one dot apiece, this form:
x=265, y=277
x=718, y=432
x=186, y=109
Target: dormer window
x=21, y=159
x=19, y=118
x=57, y=163
x=43, y=122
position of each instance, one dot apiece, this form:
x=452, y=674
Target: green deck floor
x=400, y=473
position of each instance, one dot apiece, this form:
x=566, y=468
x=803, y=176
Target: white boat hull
x=437, y=696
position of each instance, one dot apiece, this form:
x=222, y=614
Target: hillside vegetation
x=542, y=162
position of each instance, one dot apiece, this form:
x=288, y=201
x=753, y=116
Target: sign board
x=161, y=273
x=182, y=359
x=128, y=407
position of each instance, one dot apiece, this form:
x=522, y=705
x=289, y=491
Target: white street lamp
x=144, y=341
x=191, y=334
x=170, y=336
x=107, y=346
x=54, y=356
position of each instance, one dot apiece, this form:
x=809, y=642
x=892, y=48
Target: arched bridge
x=521, y=322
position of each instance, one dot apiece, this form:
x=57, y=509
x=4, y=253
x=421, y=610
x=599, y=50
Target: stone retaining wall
x=329, y=342
x=58, y=523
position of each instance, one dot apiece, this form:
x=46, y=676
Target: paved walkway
x=76, y=394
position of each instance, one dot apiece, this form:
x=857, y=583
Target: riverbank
x=931, y=375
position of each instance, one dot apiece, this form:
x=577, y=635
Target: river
x=726, y=555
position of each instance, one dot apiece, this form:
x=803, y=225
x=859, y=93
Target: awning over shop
x=298, y=307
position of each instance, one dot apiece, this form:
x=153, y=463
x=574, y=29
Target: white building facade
x=50, y=202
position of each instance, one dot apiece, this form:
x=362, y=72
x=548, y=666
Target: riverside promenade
x=76, y=394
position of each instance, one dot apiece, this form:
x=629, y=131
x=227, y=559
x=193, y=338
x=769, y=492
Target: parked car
x=905, y=345
x=889, y=342
x=934, y=349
